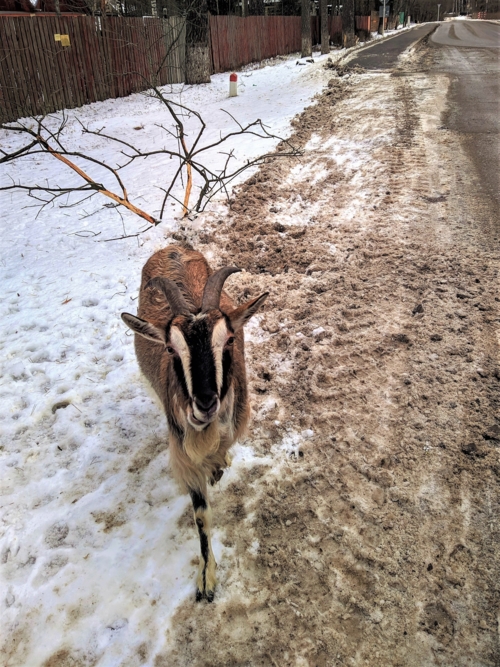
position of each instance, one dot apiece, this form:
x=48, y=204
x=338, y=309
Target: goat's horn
x=172, y=293
x=213, y=288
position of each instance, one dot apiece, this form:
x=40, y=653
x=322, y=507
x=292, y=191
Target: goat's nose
x=207, y=403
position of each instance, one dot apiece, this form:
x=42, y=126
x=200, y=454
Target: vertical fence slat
x=71, y=55
x=44, y=66
x=15, y=67
x=106, y=56
x=22, y=45
x=85, y=73
x=31, y=95
x=93, y=48
x=48, y=73
x=7, y=100
x=59, y=57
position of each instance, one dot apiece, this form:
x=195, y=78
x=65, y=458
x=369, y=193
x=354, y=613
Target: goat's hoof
x=216, y=475
x=208, y=596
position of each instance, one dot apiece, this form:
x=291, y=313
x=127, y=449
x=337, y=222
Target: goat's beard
x=198, y=445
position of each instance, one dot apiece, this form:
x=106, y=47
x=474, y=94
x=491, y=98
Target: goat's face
x=201, y=346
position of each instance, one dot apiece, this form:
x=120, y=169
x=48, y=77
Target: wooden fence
x=238, y=41
x=334, y=28
x=363, y=23
x=493, y=16
x=103, y=58
x=50, y=62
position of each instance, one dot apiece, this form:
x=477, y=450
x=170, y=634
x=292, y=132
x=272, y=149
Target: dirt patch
x=373, y=540
x=111, y=519
x=66, y=658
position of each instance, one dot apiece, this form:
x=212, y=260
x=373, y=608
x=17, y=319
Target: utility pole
x=383, y=20
x=438, y=11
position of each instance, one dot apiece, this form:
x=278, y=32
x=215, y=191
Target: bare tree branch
x=190, y=153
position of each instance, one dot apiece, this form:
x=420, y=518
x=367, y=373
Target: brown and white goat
x=189, y=345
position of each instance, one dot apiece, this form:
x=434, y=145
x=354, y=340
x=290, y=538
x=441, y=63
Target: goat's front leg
x=205, y=583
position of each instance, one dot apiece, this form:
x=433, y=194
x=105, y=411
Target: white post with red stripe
x=233, y=85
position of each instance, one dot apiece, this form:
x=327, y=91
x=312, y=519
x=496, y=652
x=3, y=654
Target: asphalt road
x=468, y=52
x=384, y=54
x=473, y=34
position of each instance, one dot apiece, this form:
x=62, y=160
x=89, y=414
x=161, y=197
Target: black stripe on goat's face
x=201, y=346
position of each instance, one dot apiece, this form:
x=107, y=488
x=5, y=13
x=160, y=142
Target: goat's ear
x=144, y=328
x=240, y=316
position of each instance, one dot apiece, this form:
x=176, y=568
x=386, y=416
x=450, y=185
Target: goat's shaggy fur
x=189, y=345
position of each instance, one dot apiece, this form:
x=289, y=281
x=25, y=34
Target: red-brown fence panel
x=335, y=26
x=238, y=41
x=363, y=23
x=50, y=62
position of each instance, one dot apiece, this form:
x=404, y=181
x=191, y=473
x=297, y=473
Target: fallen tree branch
x=190, y=153
x=61, y=155
x=123, y=201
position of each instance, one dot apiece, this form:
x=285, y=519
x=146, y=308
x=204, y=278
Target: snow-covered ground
x=93, y=555
x=95, y=549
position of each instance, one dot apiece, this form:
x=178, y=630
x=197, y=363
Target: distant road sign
x=387, y=11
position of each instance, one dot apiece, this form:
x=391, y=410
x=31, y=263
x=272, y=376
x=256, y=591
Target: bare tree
x=183, y=137
x=306, y=29
x=325, y=35
x=197, y=46
x=46, y=136
x=348, y=24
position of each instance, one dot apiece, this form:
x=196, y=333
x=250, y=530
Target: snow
x=96, y=552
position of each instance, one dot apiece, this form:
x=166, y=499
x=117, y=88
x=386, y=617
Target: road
x=468, y=53
x=384, y=54
x=375, y=380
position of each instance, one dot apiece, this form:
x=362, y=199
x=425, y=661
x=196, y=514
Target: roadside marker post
x=233, y=85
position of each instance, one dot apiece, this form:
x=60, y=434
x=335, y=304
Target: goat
x=189, y=344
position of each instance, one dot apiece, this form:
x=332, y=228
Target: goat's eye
x=230, y=341
x=170, y=349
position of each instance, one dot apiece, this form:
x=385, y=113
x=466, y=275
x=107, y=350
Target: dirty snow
x=93, y=555
x=356, y=425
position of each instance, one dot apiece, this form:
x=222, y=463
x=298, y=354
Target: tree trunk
x=348, y=34
x=306, y=29
x=325, y=36
x=197, y=49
